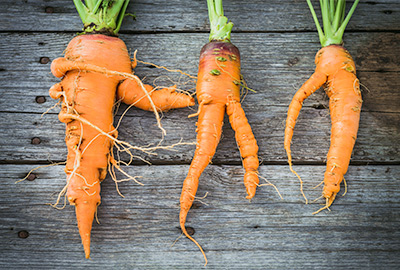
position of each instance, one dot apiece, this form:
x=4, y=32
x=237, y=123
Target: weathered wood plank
x=136, y=232
x=275, y=79
x=271, y=66
x=179, y=15
x=377, y=139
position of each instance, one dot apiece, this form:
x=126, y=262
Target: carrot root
x=87, y=93
x=218, y=91
x=183, y=228
x=130, y=92
x=336, y=69
x=247, y=146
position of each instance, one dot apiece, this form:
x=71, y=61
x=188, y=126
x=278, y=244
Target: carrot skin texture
x=224, y=89
x=335, y=69
x=87, y=92
x=164, y=99
x=208, y=135
x=92, y=96
x=247, y=146
x=345, y=106
x=218, y=91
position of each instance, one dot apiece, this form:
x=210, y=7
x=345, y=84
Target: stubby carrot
x=96, y=67
x=218, y=91
x=336, y=71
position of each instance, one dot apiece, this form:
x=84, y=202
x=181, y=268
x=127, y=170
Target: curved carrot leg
x=247, y=145
x=309, y=87
x=345, y=106
x=208, y=135
x=131, y=92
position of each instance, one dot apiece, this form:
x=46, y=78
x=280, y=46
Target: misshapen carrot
x=218, y=91
x=90, y=96
x=336, y=71
x=96, y=67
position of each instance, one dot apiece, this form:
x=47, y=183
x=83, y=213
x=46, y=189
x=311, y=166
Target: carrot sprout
x=103, y=16
x=333, y=20
x=220, y=29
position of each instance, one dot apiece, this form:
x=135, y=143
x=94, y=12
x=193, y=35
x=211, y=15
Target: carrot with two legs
x=218, y=91
x=336, y=71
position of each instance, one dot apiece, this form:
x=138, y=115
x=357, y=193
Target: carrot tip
x=85, y=214
x=87, y=252
x=329, y=201
x=249, y=197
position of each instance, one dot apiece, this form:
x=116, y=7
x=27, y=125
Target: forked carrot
x=336, y=71
x=218, y=91
x=95, y=65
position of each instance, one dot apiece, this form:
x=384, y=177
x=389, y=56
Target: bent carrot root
x=218, y=91
x=336, y=70
x=308, y=88
x=93, y=68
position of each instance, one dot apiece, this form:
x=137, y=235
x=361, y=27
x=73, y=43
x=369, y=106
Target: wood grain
x=136, y=232
x=179, y=15
x=278, y=43
x=272, y=68
x=377, y=141
x=275, y=80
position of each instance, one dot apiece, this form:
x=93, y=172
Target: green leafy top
x=101, y=15
x=333, y=20
x=220, y=28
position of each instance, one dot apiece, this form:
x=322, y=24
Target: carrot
x=218, y=90
x=336, y=71
x=96, y=67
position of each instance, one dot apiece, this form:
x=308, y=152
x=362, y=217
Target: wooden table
x=278, y=41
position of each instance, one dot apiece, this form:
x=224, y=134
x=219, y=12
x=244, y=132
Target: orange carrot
x=218, y=90
x=335, y=69
x=94, y=67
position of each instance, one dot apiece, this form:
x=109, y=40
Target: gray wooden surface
x=277, y=42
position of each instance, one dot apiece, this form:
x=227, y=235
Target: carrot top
x=101, y=16
x=334, y=22
x=220, y=28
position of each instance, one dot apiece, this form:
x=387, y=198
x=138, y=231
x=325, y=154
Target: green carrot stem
x=103, y=16
x=314, y=15
x=220, y=29
x=338, y=17
x=334, y=24
x=346, y=21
